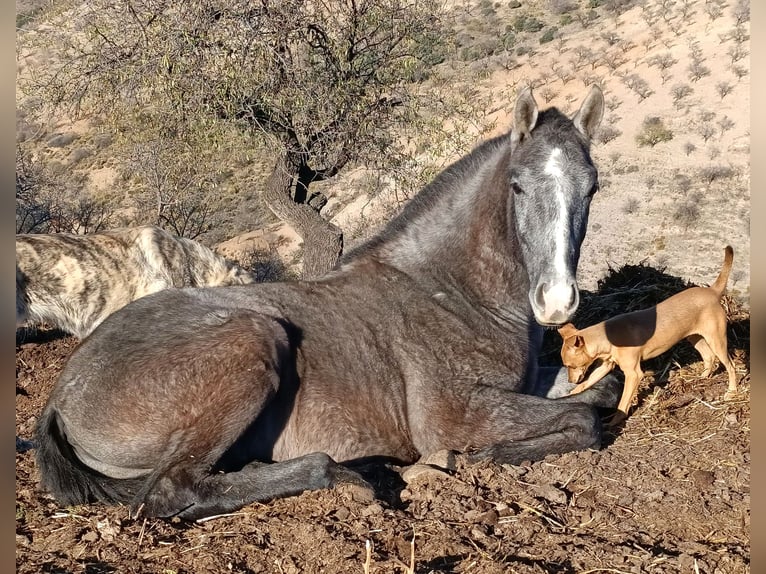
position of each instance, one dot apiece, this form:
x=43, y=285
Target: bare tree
x=33, y=211
x=723, y=89
x=680, y=92
x=697, y=70
x=741, y=11
x=47, y=204
x=318, y=84
x=714, y=9
x=174, y=182
x=739, y=71
x=725, y=124
x=662, y=61
x=736, y=53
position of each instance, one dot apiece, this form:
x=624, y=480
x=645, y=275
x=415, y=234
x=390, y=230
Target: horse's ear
x=524, y=115
x=588, y=117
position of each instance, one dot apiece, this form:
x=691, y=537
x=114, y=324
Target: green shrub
x=525, y=23
x=549, y=35
x=653, y=131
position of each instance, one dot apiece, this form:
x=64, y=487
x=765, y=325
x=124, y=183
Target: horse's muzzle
x=553, y=304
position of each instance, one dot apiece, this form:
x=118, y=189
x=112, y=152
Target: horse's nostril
x=540, y=294
x=575, y=297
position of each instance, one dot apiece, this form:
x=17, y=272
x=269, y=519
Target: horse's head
x=552, y=180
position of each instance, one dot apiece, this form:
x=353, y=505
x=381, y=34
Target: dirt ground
x=669, y=492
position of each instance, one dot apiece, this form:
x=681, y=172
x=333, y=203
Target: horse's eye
x=516, y=188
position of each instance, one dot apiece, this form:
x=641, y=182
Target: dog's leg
x=598, y=373
x=708, y=356
x=719, y=346
x=633, y=376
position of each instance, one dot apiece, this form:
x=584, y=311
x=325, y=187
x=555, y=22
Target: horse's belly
x=346, y=439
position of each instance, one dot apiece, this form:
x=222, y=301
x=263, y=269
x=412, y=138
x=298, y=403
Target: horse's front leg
x=598, y=373
x=512, y=427
x=553, y=383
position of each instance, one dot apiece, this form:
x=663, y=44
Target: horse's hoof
x=423, y=472
x=351, y=483
x=356, y=492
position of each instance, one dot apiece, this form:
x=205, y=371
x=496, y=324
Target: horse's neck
x=463, y=243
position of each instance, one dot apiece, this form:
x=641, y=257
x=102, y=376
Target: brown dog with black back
x=694, y=314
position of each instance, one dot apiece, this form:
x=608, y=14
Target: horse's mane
x=426, y=198
x=429, y=195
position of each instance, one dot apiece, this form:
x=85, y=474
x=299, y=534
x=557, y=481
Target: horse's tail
x=69, y=480
x=720, y=283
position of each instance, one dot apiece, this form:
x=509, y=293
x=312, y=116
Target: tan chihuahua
x=625, y=340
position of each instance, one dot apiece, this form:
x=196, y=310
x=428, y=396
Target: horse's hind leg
x=179, y=492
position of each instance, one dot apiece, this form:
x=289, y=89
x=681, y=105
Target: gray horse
x=192, y=402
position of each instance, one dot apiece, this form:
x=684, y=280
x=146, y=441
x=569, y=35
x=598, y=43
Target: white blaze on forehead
x=553, y=168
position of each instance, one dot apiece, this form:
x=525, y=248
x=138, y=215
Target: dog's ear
x=567, y=331
x=578, y=341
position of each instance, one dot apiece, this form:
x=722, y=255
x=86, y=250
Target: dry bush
x=638, y=85
x=612, y=103
x=49, y=203
x=725, y=124
x=687, y=212
x=711, y=173
x=714, y=9
x=562, y=6
x=736, y=53
x=548, y=94
x=631, y=205
x=662, y=61
x=607, y=133
x=267, y=266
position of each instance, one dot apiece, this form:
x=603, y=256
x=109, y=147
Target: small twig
x=69, y=515
x=141, y=534
x=708, y=405
x=541, y=514
x=711, y=435
x=206, y=518
x=138, y=512
x=368, y=556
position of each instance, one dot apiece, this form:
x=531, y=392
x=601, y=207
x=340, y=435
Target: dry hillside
x=673, y=202
x=676, y=203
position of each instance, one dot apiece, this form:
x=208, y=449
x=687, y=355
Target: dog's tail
x=719, y=285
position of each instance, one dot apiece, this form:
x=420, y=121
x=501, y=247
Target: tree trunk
x=322, y=241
